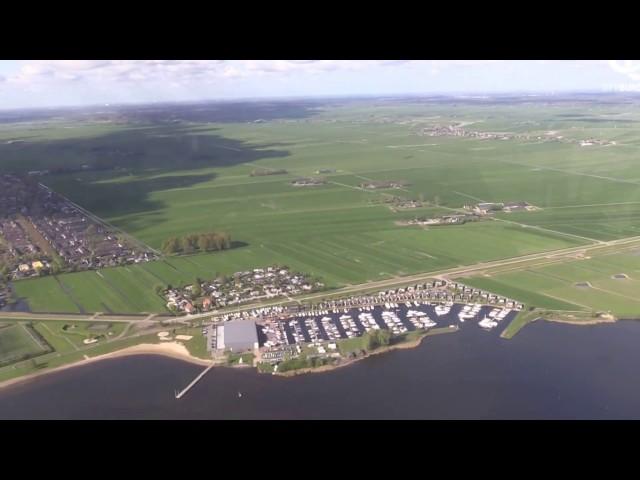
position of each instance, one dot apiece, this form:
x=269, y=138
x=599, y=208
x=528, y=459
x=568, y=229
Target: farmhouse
x=443, y=220
x=384, y=184
x=516, y=206
x=485, y=208
x=308, y=182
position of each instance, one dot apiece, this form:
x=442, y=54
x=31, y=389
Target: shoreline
x=170, y=349
x=593, y=321
x=378, y=351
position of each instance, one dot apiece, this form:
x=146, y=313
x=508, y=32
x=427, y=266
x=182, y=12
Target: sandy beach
x=168, y=349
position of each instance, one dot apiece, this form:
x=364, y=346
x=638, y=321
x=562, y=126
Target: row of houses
x=486, y=208
x=241, y=287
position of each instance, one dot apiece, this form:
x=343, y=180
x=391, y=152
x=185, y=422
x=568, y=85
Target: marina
x=398, y=318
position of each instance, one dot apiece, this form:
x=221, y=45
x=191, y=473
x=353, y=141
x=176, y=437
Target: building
x=37, y=265
x=238, y=336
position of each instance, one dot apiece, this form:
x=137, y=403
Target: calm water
x=546, y=371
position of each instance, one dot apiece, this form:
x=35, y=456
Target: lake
x=548, y=371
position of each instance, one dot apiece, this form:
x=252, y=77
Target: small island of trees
x=203, y=242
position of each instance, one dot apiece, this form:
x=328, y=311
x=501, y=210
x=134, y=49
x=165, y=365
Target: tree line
x=203, y=242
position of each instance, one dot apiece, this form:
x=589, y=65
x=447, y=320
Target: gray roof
x=240, y=333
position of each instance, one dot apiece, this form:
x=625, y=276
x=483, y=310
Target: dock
x=182, y=393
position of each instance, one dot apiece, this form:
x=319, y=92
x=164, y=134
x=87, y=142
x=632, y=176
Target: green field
x=191, y=178
x=574, y=285
x=18, y=342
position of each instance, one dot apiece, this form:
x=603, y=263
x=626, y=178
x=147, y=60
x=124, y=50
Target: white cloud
x=180, y=71
x=630, y=68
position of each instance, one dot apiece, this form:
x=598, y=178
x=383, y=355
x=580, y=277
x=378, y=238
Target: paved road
x=459, y=271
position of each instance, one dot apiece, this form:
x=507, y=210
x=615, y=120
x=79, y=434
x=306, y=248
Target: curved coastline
x=170, y=349
x=325, y=368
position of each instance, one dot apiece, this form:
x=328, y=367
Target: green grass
x=234, y=358
x=195, y=178
x=519, y=322
x=17, y=342
x=555, y=286
x=57, y=359
x=197, y=346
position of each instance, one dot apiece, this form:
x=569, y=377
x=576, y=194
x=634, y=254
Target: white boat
x=487, y=323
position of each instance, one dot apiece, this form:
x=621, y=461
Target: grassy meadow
x=194, y=177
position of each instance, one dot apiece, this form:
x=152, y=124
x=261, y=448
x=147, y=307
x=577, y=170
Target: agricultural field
x=607, y=283
x=18, y=342
x=162, y=180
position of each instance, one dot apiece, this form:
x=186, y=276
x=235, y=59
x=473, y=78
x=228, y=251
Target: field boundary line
x=567, y=301
x=469, y=196
x=592, y=205
x=570, y=172
x=46, y=327
x=35, y=340
x=614, y=293
x=537, y=227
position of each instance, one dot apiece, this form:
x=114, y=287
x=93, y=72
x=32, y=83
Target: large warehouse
x=237, y=336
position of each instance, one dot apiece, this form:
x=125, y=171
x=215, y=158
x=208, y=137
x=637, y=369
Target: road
x=463, y=270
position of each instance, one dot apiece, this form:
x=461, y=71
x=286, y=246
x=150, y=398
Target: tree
x=226, y=240
x=368, y=341
x=196, y=291
x=171, y=245
x=203, y=242
x=186, y=245
x=384, y=337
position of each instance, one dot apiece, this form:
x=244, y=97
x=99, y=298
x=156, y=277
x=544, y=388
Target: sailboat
x=239, y=394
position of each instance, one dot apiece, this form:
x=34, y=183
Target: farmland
x=18, y=342
x=173, y=180
x=606, y=283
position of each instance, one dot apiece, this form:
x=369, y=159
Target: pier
x=182, y=393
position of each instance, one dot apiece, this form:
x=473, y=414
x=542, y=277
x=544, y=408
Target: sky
x=51, y=83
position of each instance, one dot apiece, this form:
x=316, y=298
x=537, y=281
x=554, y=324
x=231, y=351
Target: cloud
x=181, y=71
x=630, y=68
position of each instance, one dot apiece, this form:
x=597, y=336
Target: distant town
x=551, y=136
x=241, y=287
x=42, y=232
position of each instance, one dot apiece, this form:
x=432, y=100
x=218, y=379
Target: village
x=551, y=136
x=42, y=232
x=241, y=287
x=474, y=213
x=323, y=330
